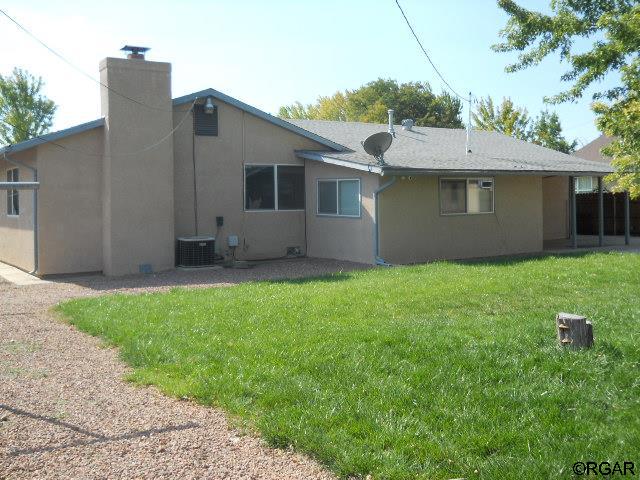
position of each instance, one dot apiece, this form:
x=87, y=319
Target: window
x=274, y=187
x=584, y=185
x=340, y=197
x=13, y=204
x=466, y=195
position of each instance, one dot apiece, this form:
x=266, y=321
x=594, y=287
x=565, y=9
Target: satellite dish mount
x=376, y=144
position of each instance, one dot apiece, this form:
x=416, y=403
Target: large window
x=339, y=197
x=13, y=205
x=274, y=187
x=466, y=195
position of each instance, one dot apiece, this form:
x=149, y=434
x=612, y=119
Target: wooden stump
x=574, y=331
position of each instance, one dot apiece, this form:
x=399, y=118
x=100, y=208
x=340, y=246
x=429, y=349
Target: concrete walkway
x=18, y=277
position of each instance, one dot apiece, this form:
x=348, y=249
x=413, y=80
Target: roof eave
x=52, y=137
x=260, y=114
x=319, y=157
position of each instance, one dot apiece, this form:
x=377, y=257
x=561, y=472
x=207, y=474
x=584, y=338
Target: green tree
x=547, y=131
x=24, y=112
x=370, y=103
x=614, y=28
x=505, y=118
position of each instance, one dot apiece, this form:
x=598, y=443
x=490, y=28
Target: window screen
x=205, y=123
x=349, y=197
x=327, y=197
x=453, y=196
x=13, y=204
x=290, y=187
x=259, y=188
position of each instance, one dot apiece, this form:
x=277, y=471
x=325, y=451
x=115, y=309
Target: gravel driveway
x=65, y=411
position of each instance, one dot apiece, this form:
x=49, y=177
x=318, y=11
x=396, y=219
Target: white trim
x=337, y=182
x=12, y=192
x=466, y=198
x=276, y=208
x=318, y=157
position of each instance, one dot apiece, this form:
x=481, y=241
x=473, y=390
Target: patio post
x=574, y=216
x=600, y=213
x=627, y=219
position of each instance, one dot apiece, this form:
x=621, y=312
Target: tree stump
x=574, y=331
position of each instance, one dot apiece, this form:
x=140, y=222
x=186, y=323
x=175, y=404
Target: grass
x=433, y=371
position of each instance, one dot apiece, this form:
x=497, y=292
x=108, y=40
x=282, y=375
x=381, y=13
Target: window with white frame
x=339, y=197
x=13, y=204
x=466, y=195
x=273, y=187
x=585, y=185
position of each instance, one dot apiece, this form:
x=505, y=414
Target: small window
x=13, y=198
x=274, y=187
x=340, y=197
x=466, y=195
x=205, y=124
x=585, y=185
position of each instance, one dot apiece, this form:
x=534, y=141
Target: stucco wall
x=70, y=205
x=242, y=139
x=342, y=238
x=137, y=206
x=16, y=233
x=555, y=212
x=412, y=229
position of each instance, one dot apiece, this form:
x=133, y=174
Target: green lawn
x=434, y=371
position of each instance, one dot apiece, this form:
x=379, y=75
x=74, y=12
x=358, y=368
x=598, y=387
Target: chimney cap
x=135, y=52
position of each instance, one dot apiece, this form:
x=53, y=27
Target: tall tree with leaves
x=547, y=131
x=24, y=112
x=370, y=103
x=614, y=26
x=505, y=118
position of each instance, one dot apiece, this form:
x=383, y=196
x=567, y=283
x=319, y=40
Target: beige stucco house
x=114, y=194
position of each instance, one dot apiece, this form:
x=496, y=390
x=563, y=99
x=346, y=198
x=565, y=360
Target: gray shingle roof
x=425, y=150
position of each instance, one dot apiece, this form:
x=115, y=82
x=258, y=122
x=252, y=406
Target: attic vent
x=205, y=123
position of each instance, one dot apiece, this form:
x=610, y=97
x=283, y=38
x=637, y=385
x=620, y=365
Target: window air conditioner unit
x=195, y=251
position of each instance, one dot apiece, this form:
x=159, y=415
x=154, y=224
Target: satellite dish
x=376, y=144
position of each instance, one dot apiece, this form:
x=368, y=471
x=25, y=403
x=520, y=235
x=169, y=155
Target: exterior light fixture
x=209, y=107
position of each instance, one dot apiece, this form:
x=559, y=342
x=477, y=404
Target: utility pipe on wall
x=36, y=184
x=376, y=217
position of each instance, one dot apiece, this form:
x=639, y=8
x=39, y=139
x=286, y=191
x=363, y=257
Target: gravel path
x=65, y=411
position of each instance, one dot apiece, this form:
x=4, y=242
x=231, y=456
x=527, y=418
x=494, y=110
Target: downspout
x=376, y=221
x=36, y=255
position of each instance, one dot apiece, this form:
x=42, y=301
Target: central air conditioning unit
x=195, y=251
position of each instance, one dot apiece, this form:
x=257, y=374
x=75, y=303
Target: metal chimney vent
x=135, y=52
x=407, y=124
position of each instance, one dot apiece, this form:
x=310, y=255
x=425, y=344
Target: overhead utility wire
x=427, y=55
x=128, y=154
x=72, y=65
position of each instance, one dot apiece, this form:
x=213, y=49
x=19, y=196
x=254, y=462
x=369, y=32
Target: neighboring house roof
x=52, y=137
x=591, y=151
x=442, y=150
x=260, y=114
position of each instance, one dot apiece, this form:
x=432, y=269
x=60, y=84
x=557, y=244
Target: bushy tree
x=24, y=112
x=614, y=28
x=370, y=103
x=514, y=121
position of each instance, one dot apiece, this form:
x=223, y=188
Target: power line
x=427, y=55
x=128, y=154
x=72, y=65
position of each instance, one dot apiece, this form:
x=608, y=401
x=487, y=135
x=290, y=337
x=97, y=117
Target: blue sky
x=273, y=53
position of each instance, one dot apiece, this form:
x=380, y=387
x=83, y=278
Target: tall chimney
x=391, y=129
x=137, y=203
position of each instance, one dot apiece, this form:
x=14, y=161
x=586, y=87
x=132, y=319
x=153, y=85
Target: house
x=114, y=194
